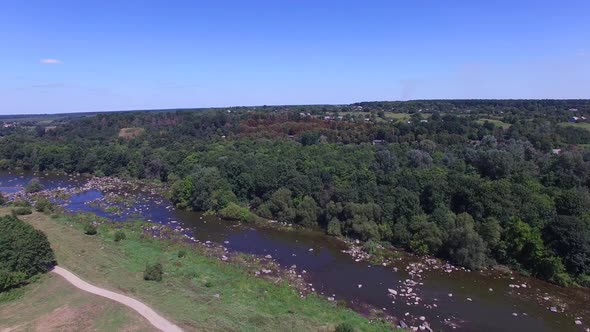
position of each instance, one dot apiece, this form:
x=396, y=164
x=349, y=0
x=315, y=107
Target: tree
x=570, y=238
x=419, y=159
x=385, y=162
x=522, y=243
x=490, y=231
x=402, y=203
x=33, y=186
x=464, y=246
x=280, y=206
x=307, y=212
x=573, y=202
x=195, y=191
x=427, y=237
x=24, y=252
x=310, y=138
x=334, y=227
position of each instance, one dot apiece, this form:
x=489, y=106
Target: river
x=459, y=300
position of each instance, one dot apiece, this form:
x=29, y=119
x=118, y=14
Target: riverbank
x=199, y=290
x=343, y=271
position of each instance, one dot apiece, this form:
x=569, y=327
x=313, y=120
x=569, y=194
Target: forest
x=477, y=182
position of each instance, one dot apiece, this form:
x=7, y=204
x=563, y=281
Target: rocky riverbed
x=422, y=292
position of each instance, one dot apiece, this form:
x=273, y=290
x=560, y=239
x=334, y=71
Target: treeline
x=458, y=186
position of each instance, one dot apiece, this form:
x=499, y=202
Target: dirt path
x=155, y=319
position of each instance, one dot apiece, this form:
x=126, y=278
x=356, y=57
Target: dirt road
x=155, y=319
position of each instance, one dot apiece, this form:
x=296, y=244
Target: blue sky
x=75, y=56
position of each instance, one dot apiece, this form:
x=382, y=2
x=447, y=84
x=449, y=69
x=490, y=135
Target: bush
x=584, y=280
x=2, y=199
x=24, y=252
x=21, y=203
x=33, y=186
x=344, y=327
x=90, y=229
x=43, y=205
x=371, y=247
x=21, y=211
x=236, y=212
x=10, y=280
x=120, y=235
x=181, y=253
x=153, y=272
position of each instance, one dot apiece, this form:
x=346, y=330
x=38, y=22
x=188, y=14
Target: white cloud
x=50, y=61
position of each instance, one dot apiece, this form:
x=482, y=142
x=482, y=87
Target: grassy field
x=583, y=125
x=498, y=123
x=52, y=304
x=388, y=115
x=130, y=133
x=197, y=292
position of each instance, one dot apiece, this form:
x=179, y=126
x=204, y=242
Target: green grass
x=51, y=304
x=197, y=292
x=388, y=115
x=498, y=123
x=583, y=125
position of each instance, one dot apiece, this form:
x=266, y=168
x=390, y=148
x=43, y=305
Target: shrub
x=120, y=235
x=181, y=253
x=2, y=199
x=153, y=272
x=10, y=279
x=236, y=212
x=371, y=247
x=90, y=229
x=344, y=327
x=33, y=186
x=21, y=203
x=43, y=205
x=21, y=211
x=24, y=252
x=584, y=280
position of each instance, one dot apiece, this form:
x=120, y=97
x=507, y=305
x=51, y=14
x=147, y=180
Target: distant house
x=556, y=151
x=424, y=121
x=378, y=141
x=573, y=110
x=574, y=119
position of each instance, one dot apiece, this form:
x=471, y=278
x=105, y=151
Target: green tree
x=570, y=238
x=33, y=186
x=307, y=212
x=464, y=246
x=24, y=251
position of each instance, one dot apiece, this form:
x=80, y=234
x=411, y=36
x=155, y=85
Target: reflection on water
x=479, y=302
